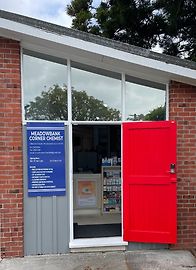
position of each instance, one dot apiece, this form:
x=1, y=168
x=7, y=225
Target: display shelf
x=111, y=189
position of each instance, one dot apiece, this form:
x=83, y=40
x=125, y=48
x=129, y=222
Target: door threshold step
x=98, y=249
x=97, y=244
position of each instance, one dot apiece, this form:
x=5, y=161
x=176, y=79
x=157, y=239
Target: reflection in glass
x=144, y=103
x=45, y=91
x=93, y=143
x=95, y=97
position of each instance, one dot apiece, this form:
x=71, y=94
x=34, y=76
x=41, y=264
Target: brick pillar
x=182, y=108
x=11, y=180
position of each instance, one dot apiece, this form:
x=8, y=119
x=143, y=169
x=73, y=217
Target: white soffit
x=70, y=46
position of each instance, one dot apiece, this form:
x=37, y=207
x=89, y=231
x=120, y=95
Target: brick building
x=87, y=90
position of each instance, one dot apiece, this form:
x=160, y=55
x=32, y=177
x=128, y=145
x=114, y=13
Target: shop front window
x=145, y=101
x=96, y=95
x=44, y=87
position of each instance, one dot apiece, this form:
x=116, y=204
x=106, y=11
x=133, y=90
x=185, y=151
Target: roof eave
x=30, y=35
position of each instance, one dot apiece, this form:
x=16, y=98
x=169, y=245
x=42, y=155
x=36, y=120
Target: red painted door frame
x=149, y=182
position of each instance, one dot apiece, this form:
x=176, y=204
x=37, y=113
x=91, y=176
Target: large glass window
x=145, y=101
x=45, y=88
x=96, y=94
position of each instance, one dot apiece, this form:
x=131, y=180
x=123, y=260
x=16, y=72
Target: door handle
x=172, y=168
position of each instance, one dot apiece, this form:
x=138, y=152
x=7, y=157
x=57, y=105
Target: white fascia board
x=24, y=33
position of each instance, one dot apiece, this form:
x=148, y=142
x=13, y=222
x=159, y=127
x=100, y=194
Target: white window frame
x=87, y=242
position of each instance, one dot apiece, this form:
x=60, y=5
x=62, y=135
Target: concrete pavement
x=129, y=260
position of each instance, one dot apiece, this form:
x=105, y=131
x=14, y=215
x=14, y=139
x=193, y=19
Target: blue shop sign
x=46, y=159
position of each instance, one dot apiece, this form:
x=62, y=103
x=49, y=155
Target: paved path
x=130, y=260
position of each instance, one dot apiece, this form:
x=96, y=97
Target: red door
x=149, y=182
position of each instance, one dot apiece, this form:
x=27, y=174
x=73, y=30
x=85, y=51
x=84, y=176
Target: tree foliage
x=144, y=23
x=81, y=11
x=179, y=36
x=158, y=114
x=52, y=105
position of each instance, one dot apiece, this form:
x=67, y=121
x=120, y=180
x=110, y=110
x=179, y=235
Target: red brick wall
x=11, y=183
x=182, y=103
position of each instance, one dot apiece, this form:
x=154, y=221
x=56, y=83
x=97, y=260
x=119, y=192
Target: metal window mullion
x=167, y=102
x=70, y=148
x=123, y=89
x=69, y=94
x=22, y=85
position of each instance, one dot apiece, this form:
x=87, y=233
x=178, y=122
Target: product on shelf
x=111, y=176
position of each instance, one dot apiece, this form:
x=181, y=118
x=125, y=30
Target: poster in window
x=86, y=193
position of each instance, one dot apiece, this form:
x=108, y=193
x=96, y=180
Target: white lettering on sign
x=45, y=136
